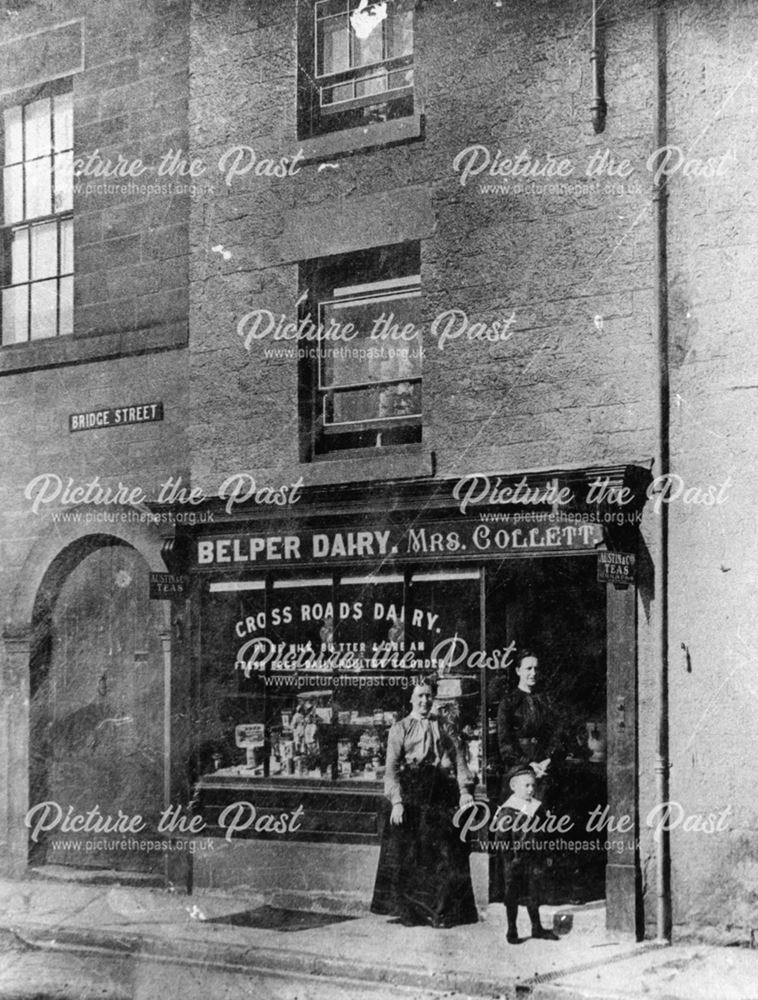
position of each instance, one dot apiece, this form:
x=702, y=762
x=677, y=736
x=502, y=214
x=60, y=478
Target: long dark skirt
x=423, y=875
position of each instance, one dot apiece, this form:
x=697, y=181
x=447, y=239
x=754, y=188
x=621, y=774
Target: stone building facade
x=253, y=194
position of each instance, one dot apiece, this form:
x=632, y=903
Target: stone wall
x=129, y=76
x=128, y=69
x=574, y=382
x=713, y=313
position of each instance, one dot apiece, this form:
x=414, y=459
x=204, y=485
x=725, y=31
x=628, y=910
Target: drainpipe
x=660, y=198
x=599, y=109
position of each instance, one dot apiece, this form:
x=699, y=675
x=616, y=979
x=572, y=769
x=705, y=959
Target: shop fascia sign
x=463, y=539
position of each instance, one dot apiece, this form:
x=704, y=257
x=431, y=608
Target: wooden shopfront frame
x=345, y=811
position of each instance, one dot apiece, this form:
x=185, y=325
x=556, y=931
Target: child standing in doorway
x=523, y=860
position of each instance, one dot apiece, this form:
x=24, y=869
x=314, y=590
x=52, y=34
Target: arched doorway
x=97, y=702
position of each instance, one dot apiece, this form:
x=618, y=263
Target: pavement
x=62, y=939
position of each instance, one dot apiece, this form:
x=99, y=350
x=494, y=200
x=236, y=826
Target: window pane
x=398, y=78
x=63, y=121
x=393, y=352
x=44, y=309
x=14, y=200
x=67, y=246
x=38, y=141
x=44, y=250
x=377, y=628
x=333, y=50
x=13, y=150
x=340, y=92
x=375, y=83
x=67, y=306
x=370, y=47
x=38, y=188
x=19, y=256
x=64, y=175
x=310, y=618
x=451, y=601
x=377, y=403
x=350, y=407
x=452, y=598
x=401, y=400
x=220, y=709
x=15, y=305
x=374, y=630
x=399, y=33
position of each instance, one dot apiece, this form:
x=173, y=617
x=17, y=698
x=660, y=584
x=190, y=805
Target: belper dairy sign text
x=451, y=539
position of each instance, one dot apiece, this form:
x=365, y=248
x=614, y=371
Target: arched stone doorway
x=96, y=719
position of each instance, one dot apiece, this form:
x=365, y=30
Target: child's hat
x=518, y=770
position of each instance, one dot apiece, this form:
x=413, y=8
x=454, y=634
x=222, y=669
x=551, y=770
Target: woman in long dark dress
x=423, y=875
x=528, y=731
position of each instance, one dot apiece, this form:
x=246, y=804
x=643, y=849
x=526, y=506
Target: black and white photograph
x=378, y=531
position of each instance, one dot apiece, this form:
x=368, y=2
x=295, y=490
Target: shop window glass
x=314, y=671
x=301, y=698
x=231, y=693
x=355, y=63
x=373, y=630
x=444, y=626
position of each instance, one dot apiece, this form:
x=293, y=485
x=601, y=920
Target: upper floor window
x=37, y=230
x=356, y=63
x=362, y=386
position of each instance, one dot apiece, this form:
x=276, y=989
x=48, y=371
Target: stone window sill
x=72, y=350
x=356, y=140
x=402, y=462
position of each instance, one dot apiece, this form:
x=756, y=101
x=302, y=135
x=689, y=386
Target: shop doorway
x=96, y=712
x=556, y=609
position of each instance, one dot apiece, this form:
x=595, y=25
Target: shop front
x=309, y=630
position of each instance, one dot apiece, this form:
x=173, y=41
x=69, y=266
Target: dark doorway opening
x=555, y=608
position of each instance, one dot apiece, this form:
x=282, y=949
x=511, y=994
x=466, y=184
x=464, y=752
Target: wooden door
x=97, y=709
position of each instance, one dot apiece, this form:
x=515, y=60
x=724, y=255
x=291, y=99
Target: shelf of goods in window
x=249, y=737
x=301, y=740
x=362, y=750
x=362, y=742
